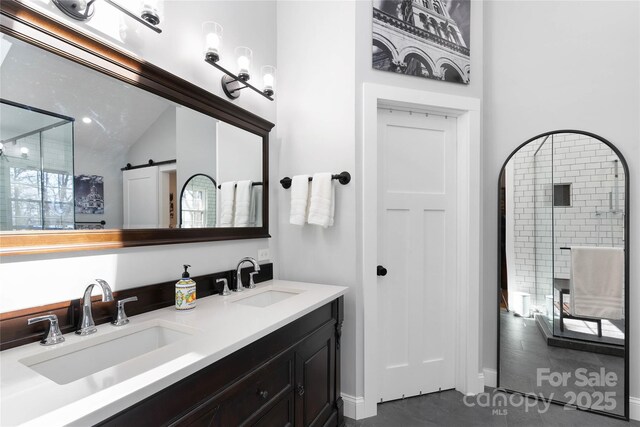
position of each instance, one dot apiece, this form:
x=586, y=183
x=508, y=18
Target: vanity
x=266, y=356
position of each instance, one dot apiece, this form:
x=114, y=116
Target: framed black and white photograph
x=424, y=38
x=89, y=194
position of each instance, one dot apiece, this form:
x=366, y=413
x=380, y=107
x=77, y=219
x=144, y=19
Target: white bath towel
x=243, y=204
x=227, y=203
x=255, y=211
x=299, y=199
x=322, y=203
x=597, y=282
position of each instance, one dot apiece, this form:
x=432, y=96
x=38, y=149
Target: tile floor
x=449, y=409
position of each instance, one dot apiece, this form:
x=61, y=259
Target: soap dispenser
x=185, y=291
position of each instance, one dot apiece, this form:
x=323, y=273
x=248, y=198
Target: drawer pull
x=263, y=394
x=300, y=389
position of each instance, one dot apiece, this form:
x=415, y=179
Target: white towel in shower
x=243, y=204
x=227, y=203
x=299, y=199
x=322, y=203
x=597, y=282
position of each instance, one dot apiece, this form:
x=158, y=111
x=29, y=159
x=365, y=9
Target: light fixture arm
x=70, y=8
x=229, y=79
x=133, y=15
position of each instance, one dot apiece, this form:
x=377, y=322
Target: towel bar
x=343, y=178
x=253, y=184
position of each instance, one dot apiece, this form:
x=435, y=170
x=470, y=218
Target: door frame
x=468, y=368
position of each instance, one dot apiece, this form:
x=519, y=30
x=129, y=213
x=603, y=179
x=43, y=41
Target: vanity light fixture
x=83, y=10
x=233, y=83
x=24, y=151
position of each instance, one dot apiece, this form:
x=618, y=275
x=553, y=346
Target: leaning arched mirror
x=563, y=272
x=198, y=202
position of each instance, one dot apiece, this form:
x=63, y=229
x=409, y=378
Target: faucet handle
x=121, y=317
x=252, y=284
x=53, y=336
x=225, y=289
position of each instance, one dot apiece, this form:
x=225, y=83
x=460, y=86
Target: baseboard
x=353, y=406
x=634, y=408
x=490, y=377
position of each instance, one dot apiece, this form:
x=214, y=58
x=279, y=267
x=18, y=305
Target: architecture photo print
x=424, y=38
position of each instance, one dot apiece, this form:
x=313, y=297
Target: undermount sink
x=267, y=298
x=78, y=360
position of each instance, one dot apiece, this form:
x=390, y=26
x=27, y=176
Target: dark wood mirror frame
x=122, y=66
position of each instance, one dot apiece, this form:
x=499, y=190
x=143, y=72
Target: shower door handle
x=381, y=271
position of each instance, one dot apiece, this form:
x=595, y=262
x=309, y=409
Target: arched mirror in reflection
x=198, y=202
x=563, y=273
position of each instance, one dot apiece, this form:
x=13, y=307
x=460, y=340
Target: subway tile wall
x=594, y=218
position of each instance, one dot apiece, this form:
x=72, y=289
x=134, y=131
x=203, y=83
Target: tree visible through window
x=38, y=206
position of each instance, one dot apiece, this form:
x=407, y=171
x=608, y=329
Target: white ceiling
x=120, y=113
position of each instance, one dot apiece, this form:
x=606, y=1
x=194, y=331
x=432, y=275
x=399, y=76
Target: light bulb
x=24, y=151
x=212, y=32
x=268, y=79
x=86, y=120
x=244, y=61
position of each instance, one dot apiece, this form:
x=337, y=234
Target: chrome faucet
x=256, y=268
x=87, y=326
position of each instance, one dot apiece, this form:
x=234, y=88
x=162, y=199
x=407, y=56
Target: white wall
x=60, y=277
x=239, y=154
x=158, y=142
x=559, y=65
x=195, y=141
x=316, y=133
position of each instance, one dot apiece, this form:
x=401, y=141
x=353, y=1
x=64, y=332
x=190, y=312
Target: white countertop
x=217, y=328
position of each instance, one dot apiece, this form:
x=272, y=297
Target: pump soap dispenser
x=185, y=291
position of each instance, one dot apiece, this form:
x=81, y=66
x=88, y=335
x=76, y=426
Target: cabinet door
x=315, y=392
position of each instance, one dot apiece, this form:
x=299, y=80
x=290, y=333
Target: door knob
x=382, y=271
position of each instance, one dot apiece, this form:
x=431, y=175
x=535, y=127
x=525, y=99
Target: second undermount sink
x=266, y=298
x=78, y=360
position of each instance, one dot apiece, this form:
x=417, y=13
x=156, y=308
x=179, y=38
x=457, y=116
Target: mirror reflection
x=81, y=150
x=198, y=202
x=563, y=275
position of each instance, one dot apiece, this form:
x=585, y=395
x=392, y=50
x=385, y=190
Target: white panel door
x=416, y=244
x=141, y=197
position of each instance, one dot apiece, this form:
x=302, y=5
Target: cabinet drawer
x=250, y=397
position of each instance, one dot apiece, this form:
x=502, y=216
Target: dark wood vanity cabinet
x=290, y=377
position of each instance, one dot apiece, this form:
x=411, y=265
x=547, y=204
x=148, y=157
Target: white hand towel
x=243, y=204
x=322, y=204
x=597, y=282
x=299, y=199
x=255, y=212
x=227, y=203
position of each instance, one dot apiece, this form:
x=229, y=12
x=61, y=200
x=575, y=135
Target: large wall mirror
x=97, y=154
x=563, y=273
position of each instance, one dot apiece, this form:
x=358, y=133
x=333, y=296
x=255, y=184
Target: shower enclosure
x=36, y=170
